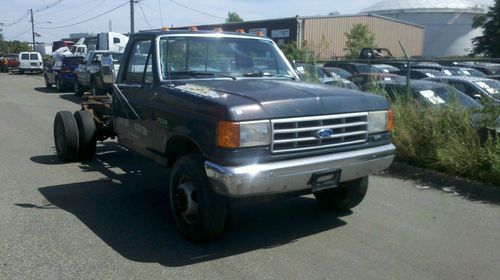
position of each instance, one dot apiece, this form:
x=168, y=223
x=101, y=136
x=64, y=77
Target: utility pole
x=132, y=16
x=32, y=28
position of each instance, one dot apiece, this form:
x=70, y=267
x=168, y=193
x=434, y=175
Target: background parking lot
x=108, y=218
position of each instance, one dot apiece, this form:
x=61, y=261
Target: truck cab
x=230, y=117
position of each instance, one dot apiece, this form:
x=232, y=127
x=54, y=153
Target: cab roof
x=158, y=32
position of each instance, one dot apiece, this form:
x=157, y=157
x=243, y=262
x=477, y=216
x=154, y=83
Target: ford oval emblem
x=324, y=133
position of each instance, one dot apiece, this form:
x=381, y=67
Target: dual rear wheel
x=75, y=136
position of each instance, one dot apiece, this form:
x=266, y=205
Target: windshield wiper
x=265, y=74
x=258, y=74
x=200, y=73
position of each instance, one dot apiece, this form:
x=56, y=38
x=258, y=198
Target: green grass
x=444, y=139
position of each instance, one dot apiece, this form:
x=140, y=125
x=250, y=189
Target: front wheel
x=344, y=197
x=198, y=211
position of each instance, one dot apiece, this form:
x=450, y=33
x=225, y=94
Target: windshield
x=490, y=86
x=368, y=69
x=117, y=57
x=471, y=72
x=72, y=61
x=340, y=72
x=447, y=96
x=184, y=57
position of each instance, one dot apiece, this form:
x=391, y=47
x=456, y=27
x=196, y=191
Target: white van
x=30, y=61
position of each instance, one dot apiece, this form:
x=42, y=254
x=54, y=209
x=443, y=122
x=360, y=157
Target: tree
x=359, y=37
x=12, y=46
x=233, y=17
x=489, y=43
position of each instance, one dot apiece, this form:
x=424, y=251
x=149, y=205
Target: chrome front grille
x=300, y=134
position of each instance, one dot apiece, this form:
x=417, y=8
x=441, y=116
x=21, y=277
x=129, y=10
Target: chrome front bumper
x=294, y=175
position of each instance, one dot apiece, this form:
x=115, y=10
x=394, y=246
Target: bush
x=444, y=139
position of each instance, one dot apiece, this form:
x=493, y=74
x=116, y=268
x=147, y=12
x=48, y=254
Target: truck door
x=133, y=93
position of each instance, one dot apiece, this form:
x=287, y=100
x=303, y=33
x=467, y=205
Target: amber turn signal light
x=228, y=134
x=389, y=120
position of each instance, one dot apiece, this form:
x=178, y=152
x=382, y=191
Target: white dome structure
x=447, y=23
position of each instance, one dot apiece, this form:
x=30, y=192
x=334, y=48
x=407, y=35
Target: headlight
x=379, y=121
x=243, y=134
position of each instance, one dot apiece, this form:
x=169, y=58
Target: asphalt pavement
x=108, y=218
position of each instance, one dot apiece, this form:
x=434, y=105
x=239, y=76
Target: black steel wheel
x=198, y=211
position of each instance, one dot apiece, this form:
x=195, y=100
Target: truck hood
x=249, y=99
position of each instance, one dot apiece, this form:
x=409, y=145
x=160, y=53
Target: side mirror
x=107, y=70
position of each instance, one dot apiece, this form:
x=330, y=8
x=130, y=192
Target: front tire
x=199, y=212
x=344, y=197
x=66, y=136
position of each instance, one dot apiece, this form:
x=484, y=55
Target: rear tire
x=94, y=89
x=78, y=88
x=66, y=136
x=59, y=85
x=346, y=196
x=199, y=212
x=87, y=135
x=47, y=83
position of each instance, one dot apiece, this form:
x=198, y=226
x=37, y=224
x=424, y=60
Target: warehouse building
x=447, y=23
x=325, y=34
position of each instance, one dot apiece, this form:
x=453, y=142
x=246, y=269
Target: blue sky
x=66, y=12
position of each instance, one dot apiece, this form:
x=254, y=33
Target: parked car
x=385, y=68
x=486, y=68
x=467, y=71
x=243, y=125
x=308, y=72
x=353, y=67
x=401, y=65
x=60, y=71
x=12, y=62
x=418, y=74
x=312, y=72
x=428, y=92
x=88, y=75
x=30, y=62
x=337, y=71
x=366, y=78
x=3, y=65
x=481, y=89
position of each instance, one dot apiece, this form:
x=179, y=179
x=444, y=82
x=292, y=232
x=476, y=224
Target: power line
x=195, y=10
x=22, y=33
x=82, y=14
x=28, y=14
x=48, y=6
x=144, y=15
x=89, y=19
